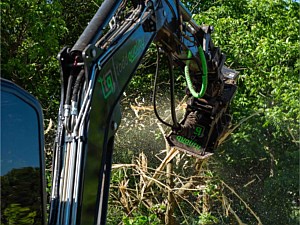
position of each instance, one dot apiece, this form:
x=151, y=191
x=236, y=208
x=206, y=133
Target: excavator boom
x=96, y=71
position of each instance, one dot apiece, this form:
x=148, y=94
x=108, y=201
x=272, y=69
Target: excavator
x=95, y=72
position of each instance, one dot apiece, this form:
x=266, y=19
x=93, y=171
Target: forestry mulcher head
x=207, y=120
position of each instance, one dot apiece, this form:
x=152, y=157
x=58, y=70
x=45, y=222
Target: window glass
x=21, y=188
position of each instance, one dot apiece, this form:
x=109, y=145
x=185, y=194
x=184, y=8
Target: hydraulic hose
x=204, y=75
x=95, y=27
x=155, y=90
x=172, y=85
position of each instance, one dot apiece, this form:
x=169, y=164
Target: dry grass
x=176, y=187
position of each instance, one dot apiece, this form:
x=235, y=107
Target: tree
x=30, y=34
x=261, y=40
x=76, y=15
x=20, y=197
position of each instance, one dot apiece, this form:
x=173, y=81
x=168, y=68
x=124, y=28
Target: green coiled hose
x=204, y=76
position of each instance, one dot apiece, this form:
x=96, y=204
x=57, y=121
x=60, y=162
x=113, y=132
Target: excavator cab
x=23, y=189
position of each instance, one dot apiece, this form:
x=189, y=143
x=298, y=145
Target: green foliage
x=208, y=219
x=20, y=197
x=30, y=34
x=261, y=40
x=76, y=15
x=18, y=215
x=142, y=220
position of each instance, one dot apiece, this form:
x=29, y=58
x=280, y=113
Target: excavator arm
x=96, y=71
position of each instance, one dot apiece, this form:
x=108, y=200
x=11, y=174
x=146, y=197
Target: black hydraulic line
x=173, y=112
x=179, y=19
x=77, y=85
x=58, y=148
x=95, y=27
x=123, y=28
x=155, y=90
x=69, y=89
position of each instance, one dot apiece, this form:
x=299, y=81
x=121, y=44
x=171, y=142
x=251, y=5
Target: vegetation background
x=253, y=178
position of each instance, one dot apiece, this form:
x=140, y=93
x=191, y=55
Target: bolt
x=164, y=13
x=149, y=3
x=209, y=55
x=99, y=66
x=114, y=126
x=216, y=63
x=94, y=53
